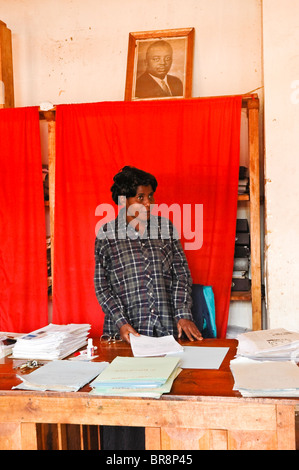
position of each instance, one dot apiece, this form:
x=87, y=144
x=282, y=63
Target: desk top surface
x=190, y=383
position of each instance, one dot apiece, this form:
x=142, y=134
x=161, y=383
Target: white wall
x=281, y=77
x=71, y=51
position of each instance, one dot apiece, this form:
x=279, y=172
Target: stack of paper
x=135, y=376
x=265, y=378
x=276, y=344
x=51, y=342
x=146, y=346
x=61, y=376
x=7, y=342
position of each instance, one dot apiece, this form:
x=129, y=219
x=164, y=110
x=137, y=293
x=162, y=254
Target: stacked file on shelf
x=243, y=180
x=265, y=378
x=51, y=342
x=136, y=376
x=275, y=344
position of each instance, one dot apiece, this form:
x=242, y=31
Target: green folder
x=134, y=372
x=151, y=392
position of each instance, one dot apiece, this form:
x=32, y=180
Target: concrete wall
x=281, y=77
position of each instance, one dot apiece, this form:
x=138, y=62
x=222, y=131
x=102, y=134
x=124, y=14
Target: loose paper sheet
x=64, y=376
x=200, y=357
x=149, y=346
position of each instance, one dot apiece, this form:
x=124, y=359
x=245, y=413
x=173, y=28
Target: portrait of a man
x=156, y=81
x=160, y=65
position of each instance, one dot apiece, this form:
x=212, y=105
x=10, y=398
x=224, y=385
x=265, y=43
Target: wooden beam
x=253, y=98
x=6, y=68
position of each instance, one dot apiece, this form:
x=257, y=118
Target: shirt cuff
x=183, y=313
x=121, y=322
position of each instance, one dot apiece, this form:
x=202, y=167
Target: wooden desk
x=201, y=412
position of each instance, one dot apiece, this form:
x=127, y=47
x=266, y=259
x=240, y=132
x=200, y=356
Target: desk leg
x=286, y=429
x=18, y=436
x=152, y=438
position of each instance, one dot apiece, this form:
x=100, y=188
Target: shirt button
x=152, y=310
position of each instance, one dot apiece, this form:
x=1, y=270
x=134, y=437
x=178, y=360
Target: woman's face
x=139, y=206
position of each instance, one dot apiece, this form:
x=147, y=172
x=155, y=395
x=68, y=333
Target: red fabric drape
x=191, y=146
x=23, y=261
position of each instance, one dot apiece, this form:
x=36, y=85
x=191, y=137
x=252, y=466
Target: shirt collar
x=124, y=227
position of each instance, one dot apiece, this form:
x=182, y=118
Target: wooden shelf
x=255, y=294
x=243, y=197
x=240, y=296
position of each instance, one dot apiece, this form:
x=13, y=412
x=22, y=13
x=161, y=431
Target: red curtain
x=23, y=262
x=191, y=146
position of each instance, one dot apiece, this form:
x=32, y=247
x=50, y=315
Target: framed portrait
x=159, y=64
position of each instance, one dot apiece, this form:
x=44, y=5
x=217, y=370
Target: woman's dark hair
x=127, y=181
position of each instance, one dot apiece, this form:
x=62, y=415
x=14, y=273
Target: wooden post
x=51, y=150
x=256, y=289
x=6, y=68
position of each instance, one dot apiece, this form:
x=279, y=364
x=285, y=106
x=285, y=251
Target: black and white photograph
x=160, y=65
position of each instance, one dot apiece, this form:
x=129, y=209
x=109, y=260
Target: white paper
x=149, y=346
x=265, y=378
x=276, y=344
x=63, y=376
x=201, y=357
x=51, y=342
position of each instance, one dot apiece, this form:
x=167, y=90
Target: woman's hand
x=189, y=328
x=125, y=331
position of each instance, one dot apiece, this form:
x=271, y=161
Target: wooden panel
x=6, y=68
x=18, y=436
x=193, y=439
x=180, y=439
x=28, y=436
x=153, y=413
x=10, y=436
x=252, y=440
x=218, y=440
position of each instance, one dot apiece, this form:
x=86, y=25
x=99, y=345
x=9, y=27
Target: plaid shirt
x=144, y=281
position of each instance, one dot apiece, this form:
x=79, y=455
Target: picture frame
x=156, y=57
